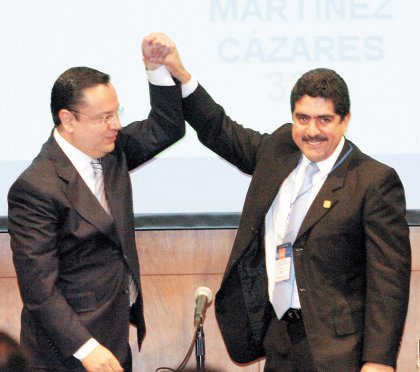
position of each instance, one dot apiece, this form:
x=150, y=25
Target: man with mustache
x=318, y=277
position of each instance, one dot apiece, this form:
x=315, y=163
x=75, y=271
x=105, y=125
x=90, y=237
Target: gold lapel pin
x=327, y=204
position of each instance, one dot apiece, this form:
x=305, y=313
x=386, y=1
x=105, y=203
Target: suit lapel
x=268, y=179
x=78, y=193
x=119, y=195
x=265, y=185
x=326, y=198
x=115, y=181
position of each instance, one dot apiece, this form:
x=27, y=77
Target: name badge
x=283, y=262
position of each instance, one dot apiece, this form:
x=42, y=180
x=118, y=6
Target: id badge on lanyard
x=283, y=262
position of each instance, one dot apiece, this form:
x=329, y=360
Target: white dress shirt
x=277, y=216
x=79, y=159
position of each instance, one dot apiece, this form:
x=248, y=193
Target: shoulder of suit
x=282, y=139
x=367, y=164
x=39, y=175
x=283, y=130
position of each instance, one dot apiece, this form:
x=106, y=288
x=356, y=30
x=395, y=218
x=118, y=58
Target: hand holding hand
x=155, y=47
x=158, y=49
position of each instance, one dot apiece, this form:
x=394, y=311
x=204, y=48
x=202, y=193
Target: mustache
x=315, y=138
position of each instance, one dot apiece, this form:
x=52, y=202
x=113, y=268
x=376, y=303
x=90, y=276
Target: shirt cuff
x=160, y=76
x=189, y=87
x=86, y=349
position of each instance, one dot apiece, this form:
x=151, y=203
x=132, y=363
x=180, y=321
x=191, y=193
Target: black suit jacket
x=71, y=257
x=352, y=255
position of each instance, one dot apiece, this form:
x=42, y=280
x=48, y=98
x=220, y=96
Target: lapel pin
x=327, y=204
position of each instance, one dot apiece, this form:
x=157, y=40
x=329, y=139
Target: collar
x=326, y=165
x=79, y=159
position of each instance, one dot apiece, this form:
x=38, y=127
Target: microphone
x=203, y=297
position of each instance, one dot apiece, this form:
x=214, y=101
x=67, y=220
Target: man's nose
x=116, y=123
x=312, y=128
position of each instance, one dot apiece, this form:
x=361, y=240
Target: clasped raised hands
x=158, y=49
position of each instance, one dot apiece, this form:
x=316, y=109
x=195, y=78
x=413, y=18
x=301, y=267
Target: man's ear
x=67, y=120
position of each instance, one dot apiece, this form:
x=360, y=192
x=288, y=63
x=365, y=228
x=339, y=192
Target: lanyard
x=292, y=203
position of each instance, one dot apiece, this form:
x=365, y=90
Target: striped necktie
x=98, y=176
x=300, y=206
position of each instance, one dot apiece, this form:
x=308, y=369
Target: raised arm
x=214, y=128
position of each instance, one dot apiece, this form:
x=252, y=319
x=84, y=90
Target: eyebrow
x=300, y=114
x=109, y=112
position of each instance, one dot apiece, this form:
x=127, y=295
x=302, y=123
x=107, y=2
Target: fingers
x=158, y=49
x=101, y=359
x=156, y=46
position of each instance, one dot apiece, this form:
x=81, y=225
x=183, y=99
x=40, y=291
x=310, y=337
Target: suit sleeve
x=142, y=140
x=217, y=131
x=33, y=228
x=388, y=258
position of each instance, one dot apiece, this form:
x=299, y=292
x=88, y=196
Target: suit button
x=302, y=290
x=254, y=231
x=125, y=290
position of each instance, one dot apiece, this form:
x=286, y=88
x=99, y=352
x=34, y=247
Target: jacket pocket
x=349, y=323
x=83, y=302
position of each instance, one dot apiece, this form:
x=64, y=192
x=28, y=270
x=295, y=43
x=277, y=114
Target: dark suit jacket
x=352, y=259
x=71, y=257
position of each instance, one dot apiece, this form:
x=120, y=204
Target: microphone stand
x=203, y=297
x=200, y=350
